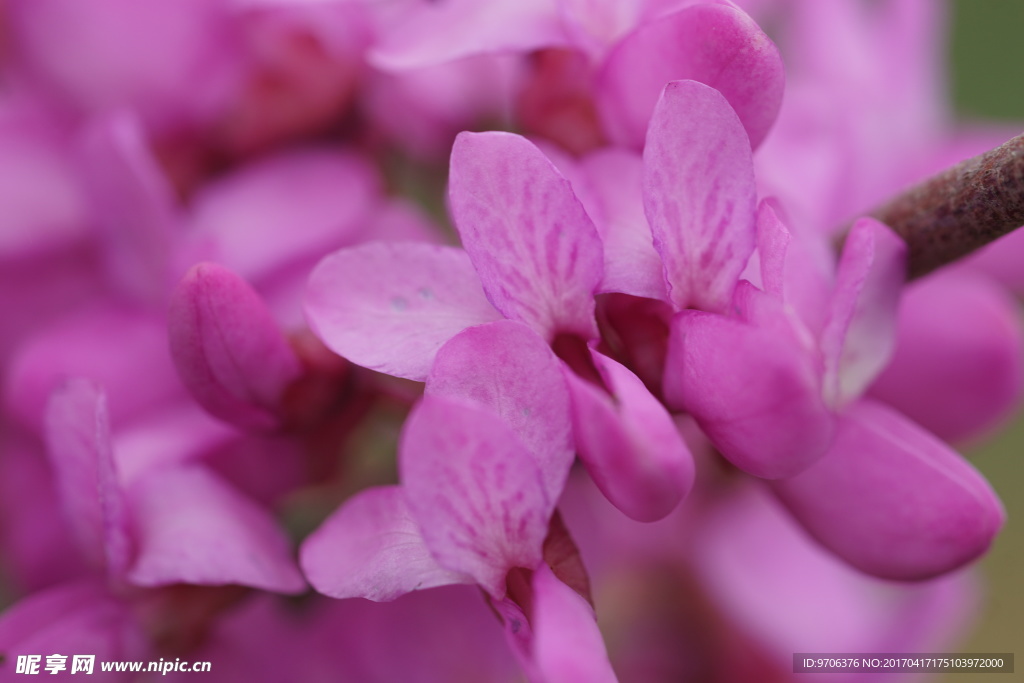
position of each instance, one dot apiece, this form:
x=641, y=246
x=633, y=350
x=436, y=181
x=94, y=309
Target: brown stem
x=961, y=209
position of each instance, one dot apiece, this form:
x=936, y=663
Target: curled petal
x=371, y=548
x=229, y=351
x=191, y=527
x=389, y=307
x=79, y=445
x=478, y=494
x=754, y=390
x=860, y=328
x=714, y=44
x=699, y=194
x=892, y=500
x=567, y=645
x=505, y=367
x=531, y=241
x=958, y=368
x=629, y=443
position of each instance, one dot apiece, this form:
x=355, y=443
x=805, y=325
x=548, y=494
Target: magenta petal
x=389, y=307
x=958, y=369
x=567, y=645
x=230, y=353
x=505, y=367
x=772, y=244
x=755, y=391
x=478, y=494
x=135, y=207
x=531, y=241
x=79, y=445
x=433, y=33
x=629, y=443
x=699, y=195
x=371, y=548
x=892, y=500
x=714, y=44
x=860, y=328
x=287, y=210
x=191, y=527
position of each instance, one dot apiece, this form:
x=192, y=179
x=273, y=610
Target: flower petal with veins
x=371, y=548
x=505, y=367
x=699, y=195
x=390, y=307
x=534, y=246
x=477, y=493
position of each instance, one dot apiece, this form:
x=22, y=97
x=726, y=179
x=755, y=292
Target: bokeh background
x=987, y=82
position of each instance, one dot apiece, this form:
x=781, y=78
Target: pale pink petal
x=631, y=264
x=445, y=31
x=191, y=527
x=371, y=548
x=390, y=307
x=228, y=349
x=134, y=204
x=958, y=369
x=478, y=494
x=505, y=367
x=714, y=44
x=629, y=444
x=289, y=209
x=536, y=250
x=755, y=391
x=79, y=446
x=860, y=330
x=567, y=645
x=699, y=195
x=892, y=500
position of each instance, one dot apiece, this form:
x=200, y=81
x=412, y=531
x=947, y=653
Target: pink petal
x=371, y=548
x=389, y=307
x=191, y=527
x=629, y=443
x=230, y=353
x=958, y=369
x=860, y=330
x=80, y=345
x=288, y=209
x=892, y=500
x=567, y=645
x=772, y=244
x=135, y=207
x=505, y=367
x=755, y=391
x=433, y=33
x=631, y=264
x=79, y=446
x=699, y=194
x=478, y=494
x=534, y=246
x=714, y=44
x=171, y=63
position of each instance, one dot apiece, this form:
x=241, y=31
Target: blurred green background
x=986, y=66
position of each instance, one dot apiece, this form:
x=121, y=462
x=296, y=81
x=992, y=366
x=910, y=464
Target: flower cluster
x=485, y=341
